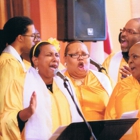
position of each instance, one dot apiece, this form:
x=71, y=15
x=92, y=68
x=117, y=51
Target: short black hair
x=119, y=37
x=14, y=27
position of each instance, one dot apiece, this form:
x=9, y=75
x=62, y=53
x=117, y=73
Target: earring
x=65, y=64
x=37, y=69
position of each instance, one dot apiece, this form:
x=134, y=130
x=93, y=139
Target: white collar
x=11, y=50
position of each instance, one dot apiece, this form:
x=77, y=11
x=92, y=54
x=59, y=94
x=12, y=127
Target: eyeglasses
x=35, y=36
x=75, y=56
x=129, y=31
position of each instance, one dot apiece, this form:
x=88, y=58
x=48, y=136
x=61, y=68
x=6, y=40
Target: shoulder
x=102, y=78
x=9, y=62
x=128, y=82
x=9, y=59
x=126, y=85
x=110, y=56
x=97, y=74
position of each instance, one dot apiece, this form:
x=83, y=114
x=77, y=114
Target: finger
x=33, y=98
x=125, y=71
x=126, y=67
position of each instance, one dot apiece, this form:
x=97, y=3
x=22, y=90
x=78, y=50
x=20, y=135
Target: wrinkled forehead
x=135, y=48
x=78, y=47
x=133, y=24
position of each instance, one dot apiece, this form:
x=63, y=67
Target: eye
x=135, y=56
x=84, y=54
x=130, y=31
x=75, y=54
x=57, y=55
x=49, y=54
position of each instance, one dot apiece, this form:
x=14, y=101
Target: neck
x=77, y=76
x=26, y=56
x=125, y=56
x=47, y=80
x=16, y=47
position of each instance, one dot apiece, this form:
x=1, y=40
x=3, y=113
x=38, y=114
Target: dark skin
x=128, y=40
x=26, y=113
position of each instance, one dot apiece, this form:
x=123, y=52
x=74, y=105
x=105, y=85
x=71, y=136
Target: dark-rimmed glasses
x=35, y=36
x=76, y=56
x=130, y=31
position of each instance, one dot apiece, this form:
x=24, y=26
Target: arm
x=110, y=112
x=26, y=113
x=125, y=71
x=12, y=106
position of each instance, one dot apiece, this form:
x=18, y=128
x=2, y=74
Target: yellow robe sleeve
x=110, y=109
x=13, y=103
x=9, y=69
x=125, y=98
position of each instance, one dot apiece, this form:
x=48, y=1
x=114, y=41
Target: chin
x=124, y=50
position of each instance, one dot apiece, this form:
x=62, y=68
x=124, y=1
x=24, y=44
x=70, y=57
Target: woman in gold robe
x=37, y=103
x=126, y=95
x=91, y=87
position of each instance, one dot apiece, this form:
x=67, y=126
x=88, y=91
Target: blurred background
x=44, y=15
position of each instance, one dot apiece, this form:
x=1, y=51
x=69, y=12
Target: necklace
x=78, y=82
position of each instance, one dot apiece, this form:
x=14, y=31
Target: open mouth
x=123, y=41
x=81, y=65
x=54, y=66
x=132, y=69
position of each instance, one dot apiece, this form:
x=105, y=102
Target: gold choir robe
x=10, y=67
x=112, y=64
x=13, y=103
x=125, y=98
x=27, y=64
x=92, y=95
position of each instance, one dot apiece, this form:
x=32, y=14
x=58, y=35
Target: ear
x=20, y=38
x=35, y=61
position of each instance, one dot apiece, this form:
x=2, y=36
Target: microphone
x=99, y=66
x=58, y=73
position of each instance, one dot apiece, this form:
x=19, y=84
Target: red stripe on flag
x=107, y=43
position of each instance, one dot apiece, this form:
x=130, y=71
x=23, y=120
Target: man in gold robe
x=18, y=36
x=116, y=63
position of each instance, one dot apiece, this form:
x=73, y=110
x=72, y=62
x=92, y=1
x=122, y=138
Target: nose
x=123, y=33
x=55, y=58
x=130, y=60
x=80, y=57
x=37, y=39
